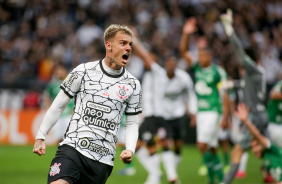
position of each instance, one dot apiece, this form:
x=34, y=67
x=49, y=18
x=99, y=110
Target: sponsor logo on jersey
x=55, y=169
x=202, y=88
x=84, y=143
x=93, y=114
x=99, y=107
x=122, y=92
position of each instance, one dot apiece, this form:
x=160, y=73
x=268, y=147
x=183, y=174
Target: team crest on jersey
x=122, y=92
x=55, y=169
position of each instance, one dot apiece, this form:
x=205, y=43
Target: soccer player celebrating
x=103, y=92
x=208, y=78
x=254, y=94
x=262, y=146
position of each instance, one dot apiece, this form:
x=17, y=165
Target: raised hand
x=227, y=18
x=242, y=112
x=190, y=26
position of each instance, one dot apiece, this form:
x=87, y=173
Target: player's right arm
x=51, y=117
x=69, y=88
x=188, y=28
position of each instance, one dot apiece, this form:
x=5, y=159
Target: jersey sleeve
x=134, y=104
x=72, y=82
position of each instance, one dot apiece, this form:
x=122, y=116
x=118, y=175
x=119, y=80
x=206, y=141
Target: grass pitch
x=18, y=165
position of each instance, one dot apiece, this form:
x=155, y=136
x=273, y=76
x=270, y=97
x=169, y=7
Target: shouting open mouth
x=125, y=58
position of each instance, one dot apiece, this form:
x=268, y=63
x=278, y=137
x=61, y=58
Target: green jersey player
x=274, y=110
x=208, y=78
x=262, y=146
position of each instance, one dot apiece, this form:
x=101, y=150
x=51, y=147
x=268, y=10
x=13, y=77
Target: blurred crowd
x=37, y=35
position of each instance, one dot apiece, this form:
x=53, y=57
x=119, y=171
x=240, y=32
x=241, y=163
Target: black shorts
x=75, y=168
x=175, y=128
x=150, y=128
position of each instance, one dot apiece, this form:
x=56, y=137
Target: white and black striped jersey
x=101, y=99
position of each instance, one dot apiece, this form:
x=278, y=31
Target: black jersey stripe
x=132, y=113
x=70, y=96
x=113, y=76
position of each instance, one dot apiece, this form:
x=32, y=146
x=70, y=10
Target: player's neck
x=110, y=70
x=111, y=63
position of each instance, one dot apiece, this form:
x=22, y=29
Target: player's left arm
x=223, y=91
x=132, y=112
x=225, y=110
x=131, y=136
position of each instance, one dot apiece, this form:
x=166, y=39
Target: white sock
x=169, y=162
x=151, y=163
x=243, y=162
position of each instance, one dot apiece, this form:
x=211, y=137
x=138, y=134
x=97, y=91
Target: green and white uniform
x=272, y=161
x=274, y=110
x=51, y=90
x=207, y=81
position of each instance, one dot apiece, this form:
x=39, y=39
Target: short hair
x=112, y=30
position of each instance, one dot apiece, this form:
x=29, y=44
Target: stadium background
x=36, y=35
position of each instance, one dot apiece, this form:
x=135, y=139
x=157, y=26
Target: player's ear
x=108, y=46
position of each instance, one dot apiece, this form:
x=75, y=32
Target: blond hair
x=112, y=30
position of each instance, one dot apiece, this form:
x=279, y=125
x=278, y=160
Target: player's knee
x=60, y=181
